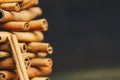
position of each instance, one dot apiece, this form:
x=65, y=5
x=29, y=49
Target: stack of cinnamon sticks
x=23, y=52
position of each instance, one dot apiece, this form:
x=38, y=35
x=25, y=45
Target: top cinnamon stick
x=6, y=1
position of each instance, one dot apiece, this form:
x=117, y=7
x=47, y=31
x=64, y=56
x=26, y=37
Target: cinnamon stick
x=40, y=47
x=19, y=57
x=29, y=36
x=16, y=58
x=10, y=6
x=43, y=62
x=24, y=15
x=27, y=15
x=40, y=24
x=40, y=78
x=15, y=26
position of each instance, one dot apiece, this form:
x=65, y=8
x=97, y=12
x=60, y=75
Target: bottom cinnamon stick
x=40, y=78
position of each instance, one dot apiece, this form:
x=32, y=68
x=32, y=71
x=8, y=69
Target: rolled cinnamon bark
x=29, y=4
x=6, y=1
x=10, y=6
x=33, y=72
x=6, y=47
x=40, y=78
x=41, y=54
x=43, y=62
x=28, y=36
x=40, y=24
x=7, y=63
x=40, y=47
x=24, y=15
x=15, y=26
x=7, y=75
x=3, y=36
x=4, y=54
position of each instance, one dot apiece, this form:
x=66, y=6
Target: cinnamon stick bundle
x=43, y=62
x=40, y=47
x=4, y=54
x=24, y=15
x=29, y=36
x=7, y=75
x=40, y=24
x=10, y=6
x=6, y=1
x=15, y=26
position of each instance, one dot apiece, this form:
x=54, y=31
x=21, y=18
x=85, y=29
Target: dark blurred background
x=85, y=35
